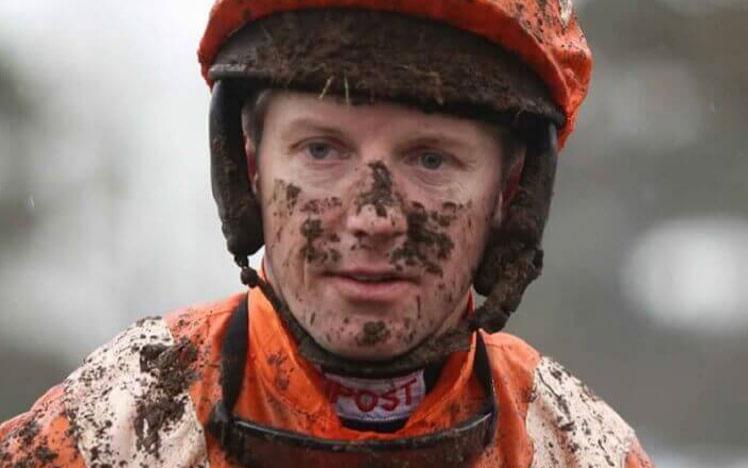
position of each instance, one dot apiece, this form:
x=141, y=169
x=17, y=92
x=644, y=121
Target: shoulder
x=200, y=320
x=511, y=353
x=131, y=402
x=41, y=436
x=566, y=419
x=566, y=423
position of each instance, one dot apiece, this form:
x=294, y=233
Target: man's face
x=375, y=217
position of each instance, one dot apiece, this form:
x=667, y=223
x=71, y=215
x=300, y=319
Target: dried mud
x=32, y=449
x=426, y=243
x=285, y=197
x=581, y=428
x=380, y=196
x=431, y=65
x=171, y=366
x=372, y=334
x=282, y=374
x=317, y=206
x=292, y=194
x=311, y=230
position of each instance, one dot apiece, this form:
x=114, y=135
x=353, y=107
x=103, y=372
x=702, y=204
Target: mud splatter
x=560, y=399
x=372, y=334
x=311, y=229
x=380, y=196
x=292, y=195
x=32, y=449
x=334, y=255
x=285, y=197
x=278, y=361
x=425, y=244
x=171, y=366
x=28, y=432
x=317, y=206
x=573, y=421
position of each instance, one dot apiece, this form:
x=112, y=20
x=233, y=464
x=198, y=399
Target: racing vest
x=145, y=398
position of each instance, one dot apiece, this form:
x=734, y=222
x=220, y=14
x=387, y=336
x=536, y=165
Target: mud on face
x=311, y=230
x=373, y=333
x=380, y=196
x=427, y=241
x=423, y=244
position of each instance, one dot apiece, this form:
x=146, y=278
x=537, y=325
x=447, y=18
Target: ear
x=511, y=180
x=250, y=150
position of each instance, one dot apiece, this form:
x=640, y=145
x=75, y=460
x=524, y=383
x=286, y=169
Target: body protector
x=368, y=56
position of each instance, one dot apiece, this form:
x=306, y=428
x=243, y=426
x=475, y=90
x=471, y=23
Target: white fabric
x=570, y=426
x=566, y=9
x=375, y=400
x=102, y=399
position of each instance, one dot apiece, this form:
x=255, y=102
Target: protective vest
x=144, y=400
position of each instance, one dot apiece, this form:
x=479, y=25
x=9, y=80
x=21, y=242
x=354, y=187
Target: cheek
x=473, y=228
x=468, y=230
x=279, y=203
x=299, y=230
x=317, y=219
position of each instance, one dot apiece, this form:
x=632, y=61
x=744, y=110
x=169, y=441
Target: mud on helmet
x=529, y=72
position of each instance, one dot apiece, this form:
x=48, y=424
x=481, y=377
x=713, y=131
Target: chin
x=354, y=352
x=365, y=339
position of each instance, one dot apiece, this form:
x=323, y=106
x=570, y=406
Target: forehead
x=293, y=109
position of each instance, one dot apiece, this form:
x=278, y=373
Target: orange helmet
x=543, y=33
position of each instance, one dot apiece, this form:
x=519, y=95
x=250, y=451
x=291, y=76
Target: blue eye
x=319, y=151
x=431, y=161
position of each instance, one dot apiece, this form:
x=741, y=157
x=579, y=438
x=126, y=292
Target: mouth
x=360, y=285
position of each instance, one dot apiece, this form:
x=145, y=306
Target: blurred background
x=106, y=214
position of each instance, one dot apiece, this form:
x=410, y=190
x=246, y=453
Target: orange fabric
x=637, y=458
x=40, y=437
x=286, y=391
x=513, y=363
x=534, y=30
x=282, y=390
x=205, y=326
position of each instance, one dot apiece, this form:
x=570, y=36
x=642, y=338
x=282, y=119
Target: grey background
x=106, y=214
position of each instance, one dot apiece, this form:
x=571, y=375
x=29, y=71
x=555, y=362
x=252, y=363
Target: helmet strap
x=514, y=257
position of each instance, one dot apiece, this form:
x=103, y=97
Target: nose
x=376, y=223
x=376, y=215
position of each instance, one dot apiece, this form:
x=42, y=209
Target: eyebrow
x=310, y=124
x=437, y=139
x=426, y=138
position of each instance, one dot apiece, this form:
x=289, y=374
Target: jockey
x=391, y=158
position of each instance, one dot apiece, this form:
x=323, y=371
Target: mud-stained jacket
x=144, y=400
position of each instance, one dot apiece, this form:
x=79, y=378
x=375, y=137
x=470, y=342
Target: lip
x=391, y=288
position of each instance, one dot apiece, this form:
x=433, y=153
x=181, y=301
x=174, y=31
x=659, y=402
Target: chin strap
x=514, y=257
x=238, y=208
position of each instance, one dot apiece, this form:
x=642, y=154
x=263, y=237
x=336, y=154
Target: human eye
x=432, y=165
x=431, y=160
x=322, y=150
x=318, y=150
